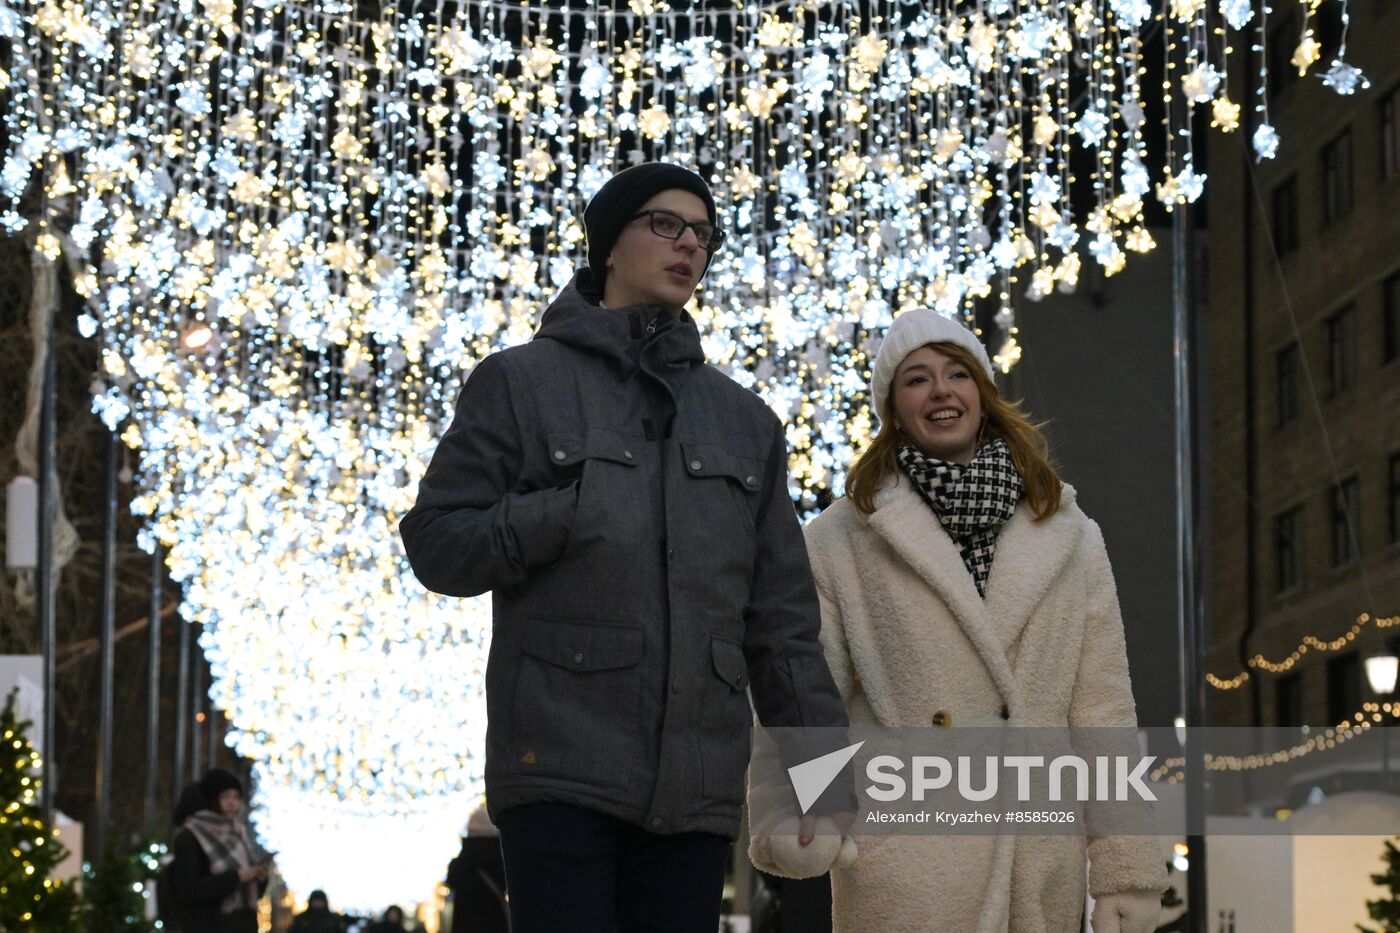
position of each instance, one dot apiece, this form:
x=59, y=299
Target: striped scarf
x=972, y=502
x=228, y=847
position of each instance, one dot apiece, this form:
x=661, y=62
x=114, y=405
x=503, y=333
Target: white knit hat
x=911, y=330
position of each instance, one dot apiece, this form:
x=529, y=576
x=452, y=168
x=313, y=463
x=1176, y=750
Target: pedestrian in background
x=477, y=878
x=392, y=921
x=218, y=872
x=317, y=918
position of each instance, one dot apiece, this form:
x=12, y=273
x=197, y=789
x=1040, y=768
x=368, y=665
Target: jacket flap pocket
x=597, y=444
x=729, y=662
x=714, y=460
x=583, y=646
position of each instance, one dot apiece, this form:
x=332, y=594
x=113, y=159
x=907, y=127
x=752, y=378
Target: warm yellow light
x=197, y=336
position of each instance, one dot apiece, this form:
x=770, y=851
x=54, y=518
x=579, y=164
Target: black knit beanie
x=623, y=195
x=215, y=782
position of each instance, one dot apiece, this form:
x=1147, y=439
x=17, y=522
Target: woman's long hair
x=1030, y=451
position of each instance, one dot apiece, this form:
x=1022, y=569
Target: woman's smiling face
x=937, y=405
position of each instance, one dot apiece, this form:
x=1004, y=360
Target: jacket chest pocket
x=728, y=481
x=612, y=499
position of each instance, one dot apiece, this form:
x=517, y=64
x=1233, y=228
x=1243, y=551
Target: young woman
x=961, y=585
x=218, y=873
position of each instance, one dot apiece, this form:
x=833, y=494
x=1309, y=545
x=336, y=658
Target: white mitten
x=788, y=858
x=1127, y=912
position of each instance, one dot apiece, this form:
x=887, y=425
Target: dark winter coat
x=477, y=877
x=627, y=505
x=198, y=893
x=317, y=921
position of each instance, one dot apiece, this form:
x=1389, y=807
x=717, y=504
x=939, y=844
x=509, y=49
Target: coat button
x=578, y=657
x=695, y=464
x=528, y=758
x=559, y=455
x=942, y=719
x=750, y=481
x=627, y=454
x=655, y=822
x=1005, y=711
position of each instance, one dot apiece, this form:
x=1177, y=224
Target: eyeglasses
x=672, y=227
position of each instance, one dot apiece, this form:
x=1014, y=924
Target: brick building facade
x=1303, y=322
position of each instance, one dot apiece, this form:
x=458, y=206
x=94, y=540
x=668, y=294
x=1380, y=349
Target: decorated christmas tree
x=1386, y=911
x=116, y=891
x=29, y=899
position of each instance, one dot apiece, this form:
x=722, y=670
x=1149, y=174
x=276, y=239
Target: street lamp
x=1381, y=671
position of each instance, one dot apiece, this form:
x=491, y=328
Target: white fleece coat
x=907, y=637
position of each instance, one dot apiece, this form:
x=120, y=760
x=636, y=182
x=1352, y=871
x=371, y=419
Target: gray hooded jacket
x=627, y=505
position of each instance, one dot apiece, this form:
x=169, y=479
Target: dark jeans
x=571, y=870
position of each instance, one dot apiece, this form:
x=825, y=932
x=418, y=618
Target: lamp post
x=1381, y=671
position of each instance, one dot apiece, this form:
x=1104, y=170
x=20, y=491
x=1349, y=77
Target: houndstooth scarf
x=226, y=843
x=972, y=502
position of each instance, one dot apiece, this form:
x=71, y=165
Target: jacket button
x=528, y=758
x=578, y=657
x=655, y=822
x=695, y=464
x=1005, y=711
x=675, y=687
x=942, y=719
x=627, y=454
x=750, y=481
x=559, y=455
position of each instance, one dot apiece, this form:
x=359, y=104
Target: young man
x=627, y=505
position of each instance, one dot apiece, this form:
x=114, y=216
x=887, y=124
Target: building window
x=1343, y=687
x=1288, y=700
x=1341, y=351
x=1289, y=379
x=1346, y=522
x=1390, y=319
x=1336, y=178
x=1395, y=498
x=1285, y=219
x=1288, y=550
x=1390, y=134
x=1283, y=39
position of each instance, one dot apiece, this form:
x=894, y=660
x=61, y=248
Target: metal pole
x=43, y=275
x=106, y=640
x=1188, y=616
x=212, y=749
x=182, y=707
x=197, y=710
x=153, y=688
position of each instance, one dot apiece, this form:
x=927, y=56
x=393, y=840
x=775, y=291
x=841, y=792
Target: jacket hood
x=576, y=320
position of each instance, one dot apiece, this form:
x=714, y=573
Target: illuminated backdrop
x=302, y=223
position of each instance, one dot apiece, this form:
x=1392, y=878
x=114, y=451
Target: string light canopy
x=300, y=224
